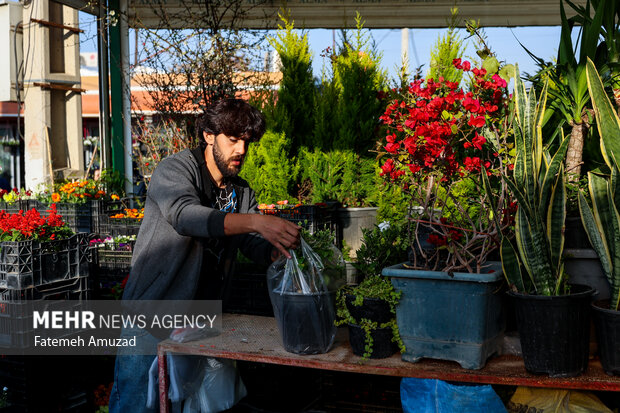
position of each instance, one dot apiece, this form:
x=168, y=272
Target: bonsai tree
x=370, y=306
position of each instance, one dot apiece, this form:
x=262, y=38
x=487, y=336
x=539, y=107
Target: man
x=197, y=214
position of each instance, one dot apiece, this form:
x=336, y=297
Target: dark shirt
x=211, y=285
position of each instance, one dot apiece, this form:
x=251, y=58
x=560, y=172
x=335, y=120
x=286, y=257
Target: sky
x=542, y=41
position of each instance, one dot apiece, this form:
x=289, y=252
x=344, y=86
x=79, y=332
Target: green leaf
x=607, y=120
x=556, y=216
x=511, y=266
x=553, y=169
x=595, y=235
x=532, y=246
x=491, y=65
x=603, y=208
x=507, y=72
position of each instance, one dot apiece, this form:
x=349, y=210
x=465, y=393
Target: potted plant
x=552, y=315
x=602, y=222
x=445, y=150
x=368, y=309
x=302, y=292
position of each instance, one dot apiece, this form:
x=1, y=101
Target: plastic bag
x=555, y=401
x=437, y=396
x=302, y=304
x=198, y=384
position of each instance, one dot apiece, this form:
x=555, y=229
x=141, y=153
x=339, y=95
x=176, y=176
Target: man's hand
x=282, y=234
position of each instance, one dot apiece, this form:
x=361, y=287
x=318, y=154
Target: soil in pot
x=382, y=344
x=607, y=324
x=373, y=309
x=555, y=331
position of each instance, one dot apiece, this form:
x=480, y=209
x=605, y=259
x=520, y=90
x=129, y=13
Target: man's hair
x=232, y=117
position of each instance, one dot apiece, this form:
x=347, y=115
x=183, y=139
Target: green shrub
x=358, y=77
x=293, y=112
x=269, y=168
x=449, y=46
x=341, y=176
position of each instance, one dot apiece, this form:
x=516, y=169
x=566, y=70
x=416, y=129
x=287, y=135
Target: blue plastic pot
x=458, y=317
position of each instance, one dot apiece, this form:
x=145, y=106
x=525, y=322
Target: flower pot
x=350, y=223
x=584, y=267
x=554, y=331
x=575, y=235
x=456, y=317
x=607, y=324
x=305, y=321
x=382, y=344
x=372, y=309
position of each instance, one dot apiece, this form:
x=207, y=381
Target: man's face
x=229, y=153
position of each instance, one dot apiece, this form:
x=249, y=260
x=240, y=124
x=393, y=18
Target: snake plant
x=538, y=185
x=602, y=220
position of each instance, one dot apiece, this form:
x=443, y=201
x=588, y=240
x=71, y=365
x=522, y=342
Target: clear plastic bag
x=198, y=384
x=302, y=303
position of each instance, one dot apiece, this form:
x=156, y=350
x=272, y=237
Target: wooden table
x=254, y=338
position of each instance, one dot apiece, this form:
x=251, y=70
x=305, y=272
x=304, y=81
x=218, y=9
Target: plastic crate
x=16, y=306
x=22, y=205
x=77, y=216
x=25, y=264
x=311, y=217
x=248, y=292
x=101, y=211
x=124, y=226
x=113, y=265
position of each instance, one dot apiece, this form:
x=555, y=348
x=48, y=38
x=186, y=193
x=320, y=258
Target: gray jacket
x=167, y=258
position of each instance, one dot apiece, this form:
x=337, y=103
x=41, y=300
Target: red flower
x=437, y=240
x=387, y=167
x=476, y=122
x=478, y=141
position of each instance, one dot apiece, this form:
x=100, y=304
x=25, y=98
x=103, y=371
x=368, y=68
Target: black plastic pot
x=575, y=235
x=382, y=345
x=554, y=331
x=373, y=309
x=305, y=321
x=607, y=324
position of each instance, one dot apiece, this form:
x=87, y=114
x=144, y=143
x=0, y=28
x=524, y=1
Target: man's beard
x=226, y=169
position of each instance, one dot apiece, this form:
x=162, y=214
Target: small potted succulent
x=369, y=309
x=552, y=315
x=445, y=148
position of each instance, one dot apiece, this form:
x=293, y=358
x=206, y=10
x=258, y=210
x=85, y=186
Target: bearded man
x=197, y=214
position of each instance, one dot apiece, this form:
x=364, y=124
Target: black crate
x=78, y=217
x=16, y=307
x=114, y=259
x=101, y=211
x=124, y=226
x=25, y=264
x=113, y=266
x=248, y=292
x=311, y=217
x=22, y=205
